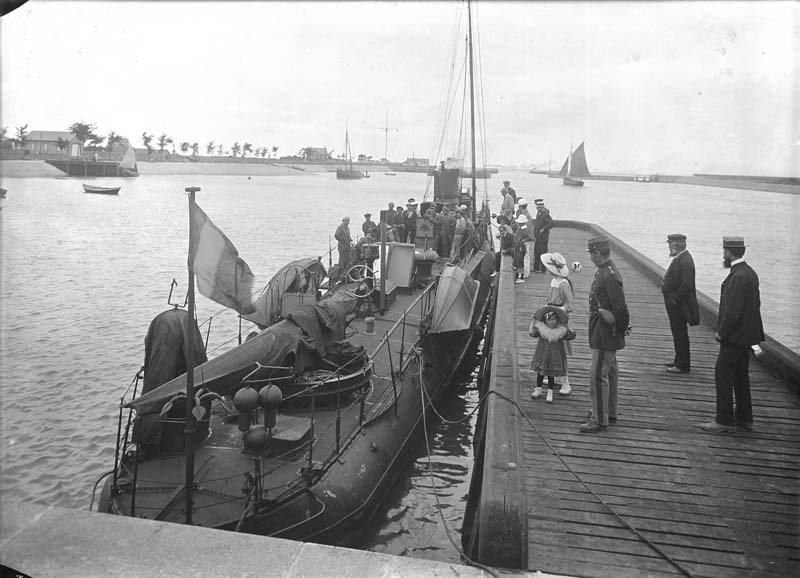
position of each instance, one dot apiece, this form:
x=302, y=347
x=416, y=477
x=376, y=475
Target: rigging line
x=439, y=507
x=658, y=550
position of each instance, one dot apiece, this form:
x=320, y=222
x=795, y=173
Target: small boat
x=3, y=193
x=575, y=168
x=386, y=146
x=347, y=172
x=101, y=190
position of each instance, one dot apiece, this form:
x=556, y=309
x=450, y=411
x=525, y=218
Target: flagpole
x=189, y=419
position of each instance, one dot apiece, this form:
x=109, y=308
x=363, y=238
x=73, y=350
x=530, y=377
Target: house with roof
x=316, y=154
x=46, y=142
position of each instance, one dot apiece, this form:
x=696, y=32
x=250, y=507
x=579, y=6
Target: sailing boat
x=302, y=430
x=348, y=172
x=575, y=168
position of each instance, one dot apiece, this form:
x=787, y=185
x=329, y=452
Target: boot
x=537, y=392
x=549, y=395
x=565, y=387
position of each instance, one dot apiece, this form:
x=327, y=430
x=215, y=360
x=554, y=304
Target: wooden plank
x=719, y=505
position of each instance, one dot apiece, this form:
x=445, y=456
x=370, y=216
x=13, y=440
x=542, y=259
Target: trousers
x=732, y=378
x=603, y=385
x=678, y=324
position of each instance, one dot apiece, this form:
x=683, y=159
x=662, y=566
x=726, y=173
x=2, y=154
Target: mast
x=189, y=417
x=471, y=103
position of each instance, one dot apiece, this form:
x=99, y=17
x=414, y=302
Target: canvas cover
x=300, y=276
x=310, y=330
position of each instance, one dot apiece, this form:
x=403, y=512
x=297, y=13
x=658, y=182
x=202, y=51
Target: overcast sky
x=661, y=87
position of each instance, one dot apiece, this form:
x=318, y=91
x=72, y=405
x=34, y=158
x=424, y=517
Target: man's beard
x=726, y=262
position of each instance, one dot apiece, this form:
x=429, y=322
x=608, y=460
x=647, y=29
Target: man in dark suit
x=680, y=299
x=739, y=327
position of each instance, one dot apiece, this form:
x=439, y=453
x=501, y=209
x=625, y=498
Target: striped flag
x=221, y=274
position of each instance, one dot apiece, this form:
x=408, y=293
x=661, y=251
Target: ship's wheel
x=359, y=281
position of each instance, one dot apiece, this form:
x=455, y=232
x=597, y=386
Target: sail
x=563, y=171
x=579, y=168
x=128, y=159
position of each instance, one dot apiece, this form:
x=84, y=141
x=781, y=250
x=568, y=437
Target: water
x=81, y=277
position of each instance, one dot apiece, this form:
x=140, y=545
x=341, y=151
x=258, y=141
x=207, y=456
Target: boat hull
x=101, y=190
x=573, y=182
x=345, y=174
x=326, y=481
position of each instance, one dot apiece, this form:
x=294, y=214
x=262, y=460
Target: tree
x=112, y=139
x=84, y=131
x=236, y=148
x=210, y=147
x=146, y=140
x=62, y=144
x=263, y=152
x=3, y=133
x=163, y=141
x=96, y=140
x=274, y=152
x=195, y=148
x=185, y=147
x=246, y=148
x=219, y=150
x=22, y=135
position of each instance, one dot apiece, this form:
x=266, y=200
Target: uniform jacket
x=739, y=320
x=542, y=225
x=678, y=286
x=606, y=293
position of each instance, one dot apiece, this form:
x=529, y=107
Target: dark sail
x=563, y=171
x=579, y=168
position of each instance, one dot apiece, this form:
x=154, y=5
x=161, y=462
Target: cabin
x=417, y=162
x=45, y=142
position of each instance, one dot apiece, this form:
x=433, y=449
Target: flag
x=221, y=274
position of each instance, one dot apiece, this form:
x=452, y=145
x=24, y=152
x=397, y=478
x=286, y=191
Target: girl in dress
x=560, y=296
x=549, y=324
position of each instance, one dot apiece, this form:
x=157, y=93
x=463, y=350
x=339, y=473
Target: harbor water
x=82, y=275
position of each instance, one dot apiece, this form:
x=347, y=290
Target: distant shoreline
x=39, y=169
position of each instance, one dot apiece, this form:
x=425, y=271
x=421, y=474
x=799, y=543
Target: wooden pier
x=709, y=505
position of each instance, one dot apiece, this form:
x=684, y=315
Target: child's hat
x=558, y=311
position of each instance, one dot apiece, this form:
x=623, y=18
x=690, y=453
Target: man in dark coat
x=739, y=327
x=680, y=299
x=343, y=242
x=541, y=235
x=608, y=324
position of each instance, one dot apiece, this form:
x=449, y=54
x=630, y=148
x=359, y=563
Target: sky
x=667, y=87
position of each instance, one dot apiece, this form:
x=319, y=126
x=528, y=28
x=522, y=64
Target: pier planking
x=719, y=505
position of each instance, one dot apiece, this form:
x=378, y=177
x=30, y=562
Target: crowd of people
x=447, y=230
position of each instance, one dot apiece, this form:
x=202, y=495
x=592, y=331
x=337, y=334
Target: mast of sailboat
x=471, y=104
x=189, y=417
x=569, y=162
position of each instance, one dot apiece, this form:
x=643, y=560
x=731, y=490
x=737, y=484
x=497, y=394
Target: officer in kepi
x=608, y=325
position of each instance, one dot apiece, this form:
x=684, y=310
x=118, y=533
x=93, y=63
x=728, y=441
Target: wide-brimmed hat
x=558, y=311
x=555, y=263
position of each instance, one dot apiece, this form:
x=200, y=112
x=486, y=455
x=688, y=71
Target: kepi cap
x=676, y=238
x=367, y=215
x=733, y=241
x=539, y=201
x=598, y=243
x=411, y=201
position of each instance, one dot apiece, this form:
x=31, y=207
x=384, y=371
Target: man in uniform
x=739, y=327
x=680, y=300
x=541, y=235
x=343, y=240
x=608, y=325
x=368, y=224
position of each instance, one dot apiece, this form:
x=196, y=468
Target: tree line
x=86, y=134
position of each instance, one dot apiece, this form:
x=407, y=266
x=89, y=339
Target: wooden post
x=189, y=423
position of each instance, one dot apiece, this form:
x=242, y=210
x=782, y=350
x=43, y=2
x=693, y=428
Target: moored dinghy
x=101, y=190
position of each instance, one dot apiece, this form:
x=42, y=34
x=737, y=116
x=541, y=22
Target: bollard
x=370, y=322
